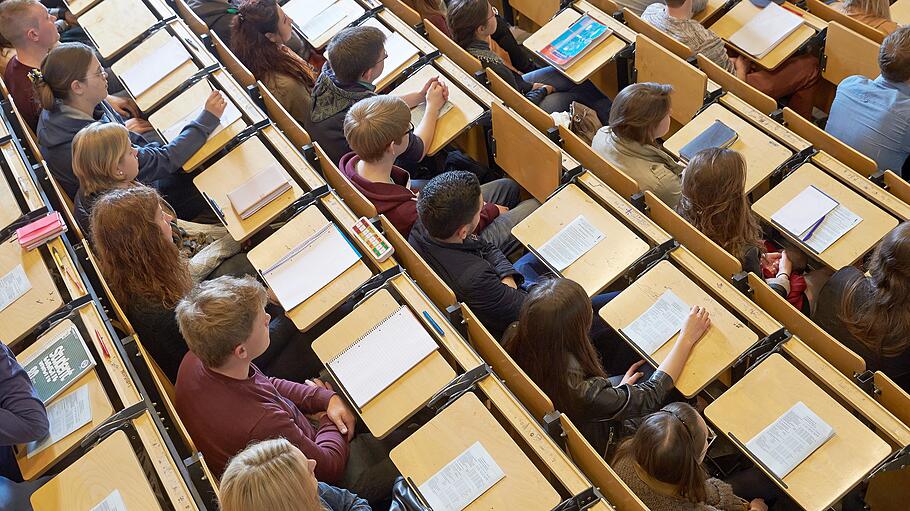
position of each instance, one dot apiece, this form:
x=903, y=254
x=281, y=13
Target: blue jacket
x=337, y=499
x=57, y=127
x=23, y=418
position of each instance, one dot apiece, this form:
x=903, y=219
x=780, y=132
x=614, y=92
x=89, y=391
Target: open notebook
x=815, y=218
x=155, y=67
x=381, y=356
x=256, y=192
x=766, y=30
x=398, y=49
x=231, y=114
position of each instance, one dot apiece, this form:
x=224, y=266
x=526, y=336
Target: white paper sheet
x=231, y=114
x=65, y=415
x=382, y=356
x=13, y=285
x=313, y=25
x=571, y=242
x=113, y=502
x=462, y=480
x=153, y=68
x=833, y=227
x=801, y=213
x=766, y=30
x=659, y=323
x=789, y=440
x=310, y=266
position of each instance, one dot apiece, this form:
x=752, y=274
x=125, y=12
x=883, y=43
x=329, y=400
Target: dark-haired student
x=871, y=315
x=551, y=342
x=219, y=16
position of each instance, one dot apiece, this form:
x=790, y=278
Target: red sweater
x=20, y=88
x=395, y=200
x=224, y=415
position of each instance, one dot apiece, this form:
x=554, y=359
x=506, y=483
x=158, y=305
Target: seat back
x=229, y=60
x=451, y=49
x=822, y=141
x=428, y=280
x=654, y=63
x=525, y=154
x=829, y=14
x=285, y=122
x=730, y=83
x=190, y=17
x=518, y=102
x=848, y=53
x=655, y=34
x=594, y=162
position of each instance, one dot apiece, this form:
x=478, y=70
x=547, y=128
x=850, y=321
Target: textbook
x=570, y=243
x=766, y=30
x=462, y=480
x=717, y=134
x=62, y=361
x=41, y=230
x=258, y=191
x=815, y=218
x=231, y=114
x=381, y=356
x=790, y=439
x=577, y=40
x=64, y=416
x=155, y=67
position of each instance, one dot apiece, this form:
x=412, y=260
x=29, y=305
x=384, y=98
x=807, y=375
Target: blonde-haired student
x=875, y=13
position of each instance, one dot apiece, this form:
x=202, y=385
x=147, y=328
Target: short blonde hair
x=218, y=315
x=97, y=149
x=374, y=123
x=269, y=475
x=16, y=19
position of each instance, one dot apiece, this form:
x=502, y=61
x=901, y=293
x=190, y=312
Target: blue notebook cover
x=577, y=39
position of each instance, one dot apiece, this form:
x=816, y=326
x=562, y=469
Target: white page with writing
x=571, y=242
x=315, y=26
x=113, y=502
x=382, y=356
x=659, y=323
x=462, y=480
x=65, y=415
x=231, y=114
x=804, y=210
x=836, y=223
x=790, y=439
x=13, y=285
x=766, y=30
x=311, y=266
x=153, y=68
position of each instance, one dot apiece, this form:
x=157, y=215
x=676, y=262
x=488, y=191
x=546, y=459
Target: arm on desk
x=697, y=323
x=328, y=447
x=22, y=415
x=605, y=402
x=437, y=93
x=156, y=161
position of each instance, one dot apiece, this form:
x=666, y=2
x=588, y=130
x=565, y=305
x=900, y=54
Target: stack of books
x=258, y=191
x=41, y=231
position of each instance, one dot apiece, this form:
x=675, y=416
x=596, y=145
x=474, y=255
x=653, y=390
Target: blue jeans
x=568, y=91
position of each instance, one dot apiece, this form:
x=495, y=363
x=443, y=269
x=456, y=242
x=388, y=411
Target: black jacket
x=490, y=60
x=474, y=270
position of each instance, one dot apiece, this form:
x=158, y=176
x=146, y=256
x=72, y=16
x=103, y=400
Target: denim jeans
x=505, y=192
x=567, y=91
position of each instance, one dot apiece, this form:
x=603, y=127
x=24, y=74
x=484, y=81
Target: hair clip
x=35, y=75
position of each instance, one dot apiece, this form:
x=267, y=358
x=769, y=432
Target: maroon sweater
x=20, y=88
x=224, y=415
x=395, y=200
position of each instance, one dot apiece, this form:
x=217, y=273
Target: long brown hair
x=63, y=65
x=464, y=17
x=882, y=321
x=428, y=7
x=667, y=446
x=135, y=258
x=262, y=57
x=638, y=110
x=714, y=200
x=553, y=327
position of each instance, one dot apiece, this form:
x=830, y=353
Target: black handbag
x=404, y=498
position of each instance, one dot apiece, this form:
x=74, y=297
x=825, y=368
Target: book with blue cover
x=572, y=44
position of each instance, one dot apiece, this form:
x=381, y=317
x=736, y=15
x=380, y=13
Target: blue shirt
x=337, y=499
x=873, y=117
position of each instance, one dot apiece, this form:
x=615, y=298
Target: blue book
x=580, y=37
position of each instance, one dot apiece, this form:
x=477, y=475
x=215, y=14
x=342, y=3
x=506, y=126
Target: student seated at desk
x=640, y=115
x=29, y=27
x=275, y=475
x=219, y=16
x=795, y=78
x=873, y=116
x=551, y=343
x=72, y=87
x=639, y=6
x=473, y=22
x=377, y=129
x=875, y=13
x=662, y=464
x=871, y=315
x=259, y=40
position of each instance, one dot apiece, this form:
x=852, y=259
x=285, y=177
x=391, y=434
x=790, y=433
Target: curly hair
x=259, y=54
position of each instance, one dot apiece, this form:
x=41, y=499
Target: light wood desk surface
x=601, y=265
x=111, y=465
x=707, y=14
x=189, y=101
x=726, y=339
x=329, y=297
x=407, y=395
x=10, y=211
x=583, y=67
x=20, y=172
x=67, y=268
x=852, y=245
x=768, y=392
x=114, y=365
x=166, y=85
x=456, y=429
x=390, y=74
x=900, y=12
x=38, y=302
x=77, y=7
x=230, y=172
x=298, y=11
x=742, y=12
x=763, y=154
x=116, y=23
x=464, y=109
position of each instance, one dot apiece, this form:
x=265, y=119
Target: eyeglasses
x=495, y=13
x=99, y=73
x=410, y=128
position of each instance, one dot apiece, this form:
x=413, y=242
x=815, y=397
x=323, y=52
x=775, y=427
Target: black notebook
x=717, y=134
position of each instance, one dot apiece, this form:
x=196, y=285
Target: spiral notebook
x=382, y=355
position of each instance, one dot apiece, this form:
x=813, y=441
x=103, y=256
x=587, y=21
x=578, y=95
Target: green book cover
x=62, y=360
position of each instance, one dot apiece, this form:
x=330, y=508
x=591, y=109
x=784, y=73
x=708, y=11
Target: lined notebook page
x=382, y=356
x=766, y=30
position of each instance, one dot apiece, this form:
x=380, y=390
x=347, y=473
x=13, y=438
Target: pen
x=814, y=227
x=791, y=9
x=214, y=206
x=106, y=353
x=65, y=270
x=433, y=322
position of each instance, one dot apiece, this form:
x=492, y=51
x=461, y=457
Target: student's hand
x=137, y=125
x=786, y=266
x=426, y=86
x=272, y=297
x=215, y=104
x=741, y=66
x=695, y=326
x=436, y=96
x=502, y=209
x=341, y=416
x=550, y=89
x=758, y=505
x=632, y=375
x=70, y=19
x=510, y=281
x=316, y=382
x=124, y=106
x=771, y=262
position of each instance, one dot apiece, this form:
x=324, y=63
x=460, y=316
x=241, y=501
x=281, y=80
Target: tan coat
x=652, y=167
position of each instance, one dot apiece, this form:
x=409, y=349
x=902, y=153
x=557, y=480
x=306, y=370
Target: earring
x=119, y=172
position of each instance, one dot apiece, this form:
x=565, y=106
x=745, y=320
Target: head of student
x=641, y=112
x=894, y=56
x=257, y=36
x=878, y=8
x=28, y=24
x=676, y=4
x=273, y=475
x=72, y=74
x=449, y=205
x=669, y=446
x=470, y=20
x=552, y=333
x=714, y=200
x=378, y=127
x=104, y=158
x=357, y=54
x=135, y=248
x=223, y=320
